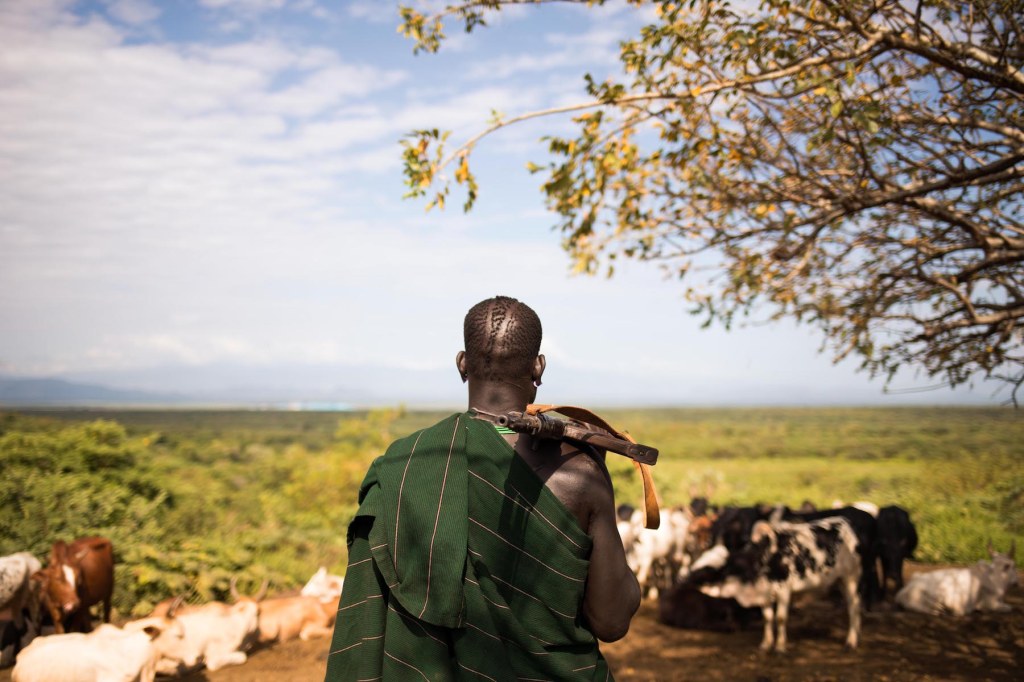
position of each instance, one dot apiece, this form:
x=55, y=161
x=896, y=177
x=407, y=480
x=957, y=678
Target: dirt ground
x=895, y=646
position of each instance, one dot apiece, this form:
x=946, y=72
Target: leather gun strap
x=652, y=514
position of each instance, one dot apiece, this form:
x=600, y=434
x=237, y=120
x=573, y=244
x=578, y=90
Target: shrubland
x=192, y=499
x=190, y=504
x=959, y=471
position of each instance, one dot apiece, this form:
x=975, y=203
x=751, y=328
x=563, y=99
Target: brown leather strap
x=652, y=514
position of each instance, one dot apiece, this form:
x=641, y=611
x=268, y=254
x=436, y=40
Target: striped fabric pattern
x=462, y=566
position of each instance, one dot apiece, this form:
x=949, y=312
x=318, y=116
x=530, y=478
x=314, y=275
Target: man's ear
x=539, y=366
x=460, y=364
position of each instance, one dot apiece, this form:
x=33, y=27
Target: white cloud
x=621, y=10
x=177, y=203
x=260, y=55
x=100, y=117
x=327, y=87
x=577, y=53
x=236, y=16
x=184, y=202
x=133, y=12
x=374, y=11
x=159, y=164
x=244, y=5
x=26, y=15
x=167, y=348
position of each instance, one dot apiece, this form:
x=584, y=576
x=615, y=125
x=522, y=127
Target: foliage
x=958, y=471
x=85, y=479
x=854, y=164
x=192, y=506
x=192, y=499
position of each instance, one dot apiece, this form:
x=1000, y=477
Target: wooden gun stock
x=584, y=426
x=542, y=426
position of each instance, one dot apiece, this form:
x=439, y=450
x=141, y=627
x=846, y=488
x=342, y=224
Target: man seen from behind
x=482, y=554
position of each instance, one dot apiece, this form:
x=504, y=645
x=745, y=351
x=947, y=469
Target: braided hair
x=502, y=337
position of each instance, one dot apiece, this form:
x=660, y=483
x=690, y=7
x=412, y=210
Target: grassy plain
x=959, y=471
x=194, y=497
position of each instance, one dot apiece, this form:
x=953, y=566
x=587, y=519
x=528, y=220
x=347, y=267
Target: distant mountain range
x=302, y=387
x=26, y=392
x=296, y=386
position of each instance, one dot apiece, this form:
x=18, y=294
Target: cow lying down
x=959, y=591
x=107, y=654
x=284, y=618
x=215, y=634
x=220, y=633
x=684, y=606
x=780, y=560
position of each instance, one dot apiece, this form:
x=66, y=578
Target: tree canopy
x=853, y=164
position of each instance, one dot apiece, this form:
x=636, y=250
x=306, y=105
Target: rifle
x=585, y=426
x=550, y=428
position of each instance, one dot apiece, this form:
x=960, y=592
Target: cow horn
x=234, y=588
x=263, y=590
x=175, y=605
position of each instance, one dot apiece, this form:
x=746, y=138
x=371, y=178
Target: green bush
x=958, y=471
x=193, y=499
x=184, y=515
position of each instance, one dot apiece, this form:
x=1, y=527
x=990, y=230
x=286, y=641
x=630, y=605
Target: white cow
x=107, y=654
x=959, y=591
x=216, y=634
x=16, y=591
x=324, y=586
x=649, y=550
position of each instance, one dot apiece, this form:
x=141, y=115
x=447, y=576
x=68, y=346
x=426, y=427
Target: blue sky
x=199, y=184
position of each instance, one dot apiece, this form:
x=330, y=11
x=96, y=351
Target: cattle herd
x=709, y=568
x=50, y=633
x=725, y=569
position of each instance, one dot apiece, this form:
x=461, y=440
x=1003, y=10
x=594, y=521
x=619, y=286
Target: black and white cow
x=732, y=527
x=780, y=560
x=865, y=528
x=897, y=540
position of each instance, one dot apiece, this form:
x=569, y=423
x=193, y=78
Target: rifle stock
x=543, y=426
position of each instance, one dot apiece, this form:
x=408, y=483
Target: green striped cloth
x=462, y=566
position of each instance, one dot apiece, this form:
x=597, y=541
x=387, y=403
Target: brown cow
x=78, y=575
x=285, y=618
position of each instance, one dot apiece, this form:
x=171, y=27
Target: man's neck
x=498, y=397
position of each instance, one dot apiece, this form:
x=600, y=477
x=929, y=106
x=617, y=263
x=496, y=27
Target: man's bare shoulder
x=581, y=482
x=584, y=462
